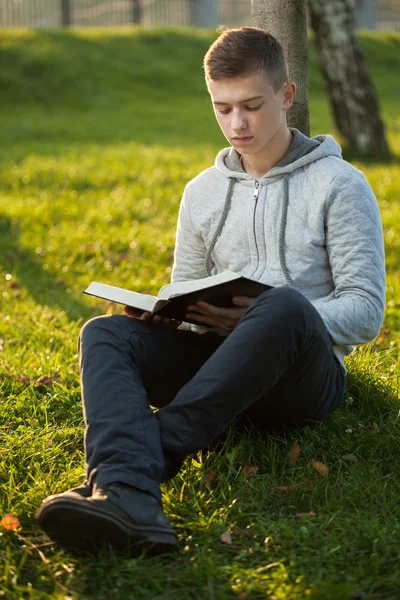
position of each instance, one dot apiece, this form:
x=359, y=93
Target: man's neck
x=259, y=164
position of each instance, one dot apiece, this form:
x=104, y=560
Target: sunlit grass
x=100, y=131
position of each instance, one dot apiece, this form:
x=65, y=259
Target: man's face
x=249, y=111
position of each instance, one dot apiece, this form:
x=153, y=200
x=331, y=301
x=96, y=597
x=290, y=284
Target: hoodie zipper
x=255, y=196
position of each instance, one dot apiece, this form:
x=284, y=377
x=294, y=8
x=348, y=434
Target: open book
x=174, y=298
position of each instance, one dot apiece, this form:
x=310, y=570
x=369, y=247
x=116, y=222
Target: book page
x=184, y=287
x=115, y=294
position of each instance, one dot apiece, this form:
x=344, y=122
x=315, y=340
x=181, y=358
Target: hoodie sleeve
x=190, y=250
x=354, y=241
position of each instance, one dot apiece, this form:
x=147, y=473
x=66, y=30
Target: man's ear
x=288, y=95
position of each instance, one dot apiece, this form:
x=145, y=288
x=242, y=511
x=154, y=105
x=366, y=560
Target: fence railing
x=196, y=13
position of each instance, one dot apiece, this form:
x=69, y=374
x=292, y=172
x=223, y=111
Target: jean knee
x=100, y=326
x=289, y=298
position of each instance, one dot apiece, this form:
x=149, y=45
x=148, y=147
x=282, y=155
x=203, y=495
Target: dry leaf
x=46, y=381
x=293, y=453
x=226, y=537
x=250, y=470
x=320, y=467
x=9, y=522
x=309, y=514
x=22, y=378
x=209, y=475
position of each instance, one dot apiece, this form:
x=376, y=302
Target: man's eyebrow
x=242, y=101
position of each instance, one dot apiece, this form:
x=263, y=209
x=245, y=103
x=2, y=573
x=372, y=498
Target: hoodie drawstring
x=282, y=230
x=221, y=223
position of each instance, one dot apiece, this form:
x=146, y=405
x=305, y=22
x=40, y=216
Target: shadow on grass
x=45, y=287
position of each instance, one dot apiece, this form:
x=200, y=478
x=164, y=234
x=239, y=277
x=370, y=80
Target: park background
x=100, y=131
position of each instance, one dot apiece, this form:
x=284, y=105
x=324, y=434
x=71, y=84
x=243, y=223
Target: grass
x=100, y=132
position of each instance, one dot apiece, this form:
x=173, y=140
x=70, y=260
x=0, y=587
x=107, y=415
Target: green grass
x=100, y=131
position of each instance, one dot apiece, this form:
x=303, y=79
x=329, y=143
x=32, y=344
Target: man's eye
x=253, y=108
x=224, y=111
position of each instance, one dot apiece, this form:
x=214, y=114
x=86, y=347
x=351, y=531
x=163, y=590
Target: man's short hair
x=246, y=51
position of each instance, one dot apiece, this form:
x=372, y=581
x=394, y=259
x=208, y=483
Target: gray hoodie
x=312, y=222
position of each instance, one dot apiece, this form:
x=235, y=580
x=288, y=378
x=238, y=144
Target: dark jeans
x=277, y=366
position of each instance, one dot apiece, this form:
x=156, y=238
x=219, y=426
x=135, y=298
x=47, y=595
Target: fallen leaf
x=226, y=537
x=293, y=453
x=209, y=475
x=9, y=522
x=350, y=458
x=22, y=379
x=309, y=514
x=46, y=380
x=250, y=470
x=320, y=467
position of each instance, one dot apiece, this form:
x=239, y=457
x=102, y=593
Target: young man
x=277, y=207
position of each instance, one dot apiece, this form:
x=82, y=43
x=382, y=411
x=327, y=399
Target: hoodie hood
x=302, y=151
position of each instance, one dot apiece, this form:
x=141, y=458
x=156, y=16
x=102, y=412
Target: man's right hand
x=150, y=318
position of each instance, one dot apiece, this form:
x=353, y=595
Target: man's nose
x=238, y=121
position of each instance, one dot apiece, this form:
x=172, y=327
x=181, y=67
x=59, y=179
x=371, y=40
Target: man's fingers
x=204, y=308
x=132, y=312
x=146, y=316
x=242, y=300
x=212, y=321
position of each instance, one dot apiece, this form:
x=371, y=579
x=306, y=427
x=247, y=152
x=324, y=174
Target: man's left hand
x=223, y=318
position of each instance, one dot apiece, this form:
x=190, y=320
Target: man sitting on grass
x=277, y=207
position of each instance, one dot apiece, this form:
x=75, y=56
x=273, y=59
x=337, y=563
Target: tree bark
x=287, y=21
x=65, y=13
x=136, y=12
x=350, y=90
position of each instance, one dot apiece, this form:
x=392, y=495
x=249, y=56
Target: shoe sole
x=84, y=530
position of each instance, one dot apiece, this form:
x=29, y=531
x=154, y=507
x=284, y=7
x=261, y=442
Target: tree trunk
x=136, y=12
x=351, y=93
x=286, y=20
x=65, y=13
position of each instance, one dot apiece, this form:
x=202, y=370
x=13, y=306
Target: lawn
x=100, y=131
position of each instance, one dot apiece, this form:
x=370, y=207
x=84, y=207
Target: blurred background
x=370, y=14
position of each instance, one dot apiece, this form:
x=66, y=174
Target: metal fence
x=388, y=15
x=196, y=13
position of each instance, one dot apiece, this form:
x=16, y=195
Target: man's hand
x=147, y=316
x=223, y=318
